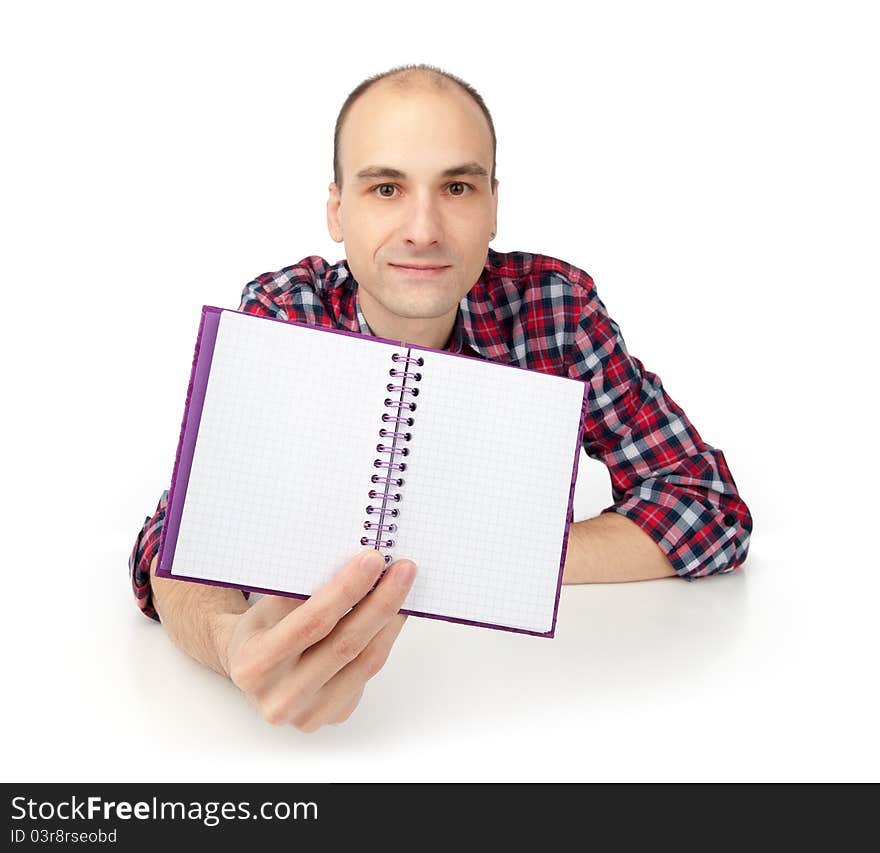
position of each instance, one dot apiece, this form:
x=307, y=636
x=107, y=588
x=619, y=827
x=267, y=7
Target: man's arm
x=196, y=615
x=677, y=510
x=611, y=548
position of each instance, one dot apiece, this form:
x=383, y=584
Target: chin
x=420, y=306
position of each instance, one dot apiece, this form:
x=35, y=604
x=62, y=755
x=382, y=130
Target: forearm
x=612, y=548
x=194, y=615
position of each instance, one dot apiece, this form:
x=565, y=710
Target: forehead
x=414, y=127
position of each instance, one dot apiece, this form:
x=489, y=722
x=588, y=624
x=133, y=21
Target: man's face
x=423, y=218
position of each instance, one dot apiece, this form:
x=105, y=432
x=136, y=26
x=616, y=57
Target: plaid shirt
x=540, y=313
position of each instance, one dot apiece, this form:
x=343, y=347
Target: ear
x=334, y=221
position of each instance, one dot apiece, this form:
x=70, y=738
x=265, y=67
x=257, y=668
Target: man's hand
x=307, y=662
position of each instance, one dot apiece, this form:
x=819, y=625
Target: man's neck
x=435, y=332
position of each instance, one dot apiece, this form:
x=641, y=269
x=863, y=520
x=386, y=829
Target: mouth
x=420, y=271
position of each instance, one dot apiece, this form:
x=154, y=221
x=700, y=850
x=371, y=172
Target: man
x=415, y=201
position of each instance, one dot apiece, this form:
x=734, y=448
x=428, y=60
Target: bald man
x=415, y=201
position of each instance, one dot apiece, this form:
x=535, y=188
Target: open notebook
x=300, y=446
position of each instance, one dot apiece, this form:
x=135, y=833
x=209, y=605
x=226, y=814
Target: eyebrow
x=370, y=173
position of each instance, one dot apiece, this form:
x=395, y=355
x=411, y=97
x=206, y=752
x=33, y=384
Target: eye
x=380, y=187
x=460, y=184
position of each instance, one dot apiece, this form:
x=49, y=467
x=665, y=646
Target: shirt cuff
x=698, y=539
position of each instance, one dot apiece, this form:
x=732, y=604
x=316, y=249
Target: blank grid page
x=282, y=464
x=485, y=496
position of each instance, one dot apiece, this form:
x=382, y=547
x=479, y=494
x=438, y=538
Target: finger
x=343, y=713
x=338, y=698
x=317, y=617
x=271, y=609
x=251, y=670
x=312, y=719
x=365, y=666
x=351, y=636
x=259, y=617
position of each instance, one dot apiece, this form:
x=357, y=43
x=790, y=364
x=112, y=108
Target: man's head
x=421, y=123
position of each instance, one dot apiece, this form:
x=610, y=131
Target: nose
x=423, y=221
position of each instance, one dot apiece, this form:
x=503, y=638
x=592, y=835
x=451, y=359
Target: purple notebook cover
x=189, y=428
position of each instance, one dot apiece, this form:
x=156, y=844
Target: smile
x=420, y=272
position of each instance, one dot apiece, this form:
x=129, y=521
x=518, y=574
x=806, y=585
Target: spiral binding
x=396, y=448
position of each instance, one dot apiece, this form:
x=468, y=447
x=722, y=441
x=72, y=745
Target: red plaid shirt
x=543, y=314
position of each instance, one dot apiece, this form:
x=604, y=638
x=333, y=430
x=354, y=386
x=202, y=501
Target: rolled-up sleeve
x=146, y=546
x=663, y=475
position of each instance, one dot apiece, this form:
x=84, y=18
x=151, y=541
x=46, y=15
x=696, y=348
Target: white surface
x=714, y=170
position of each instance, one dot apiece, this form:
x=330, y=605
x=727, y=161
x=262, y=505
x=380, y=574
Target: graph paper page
x=486, y=490
x=282, y=463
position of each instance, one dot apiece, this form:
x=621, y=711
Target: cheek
x=471, y=230
x=371, y=238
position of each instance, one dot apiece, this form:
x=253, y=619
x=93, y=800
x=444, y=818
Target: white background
x=712, y=166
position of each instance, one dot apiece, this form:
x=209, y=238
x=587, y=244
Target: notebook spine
x=385, y=497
